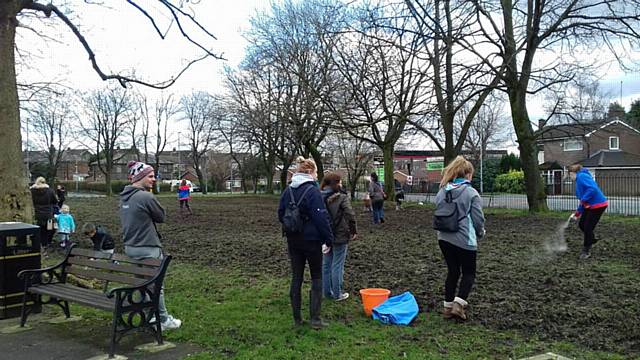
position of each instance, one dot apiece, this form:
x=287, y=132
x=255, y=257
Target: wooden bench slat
x=102, y=275
x=75, y=294
x=118, y=257
x=108, y=265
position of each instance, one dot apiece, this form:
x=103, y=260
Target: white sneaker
x=171, y=323
x=343, y=296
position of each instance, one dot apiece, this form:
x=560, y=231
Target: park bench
x=131, y=289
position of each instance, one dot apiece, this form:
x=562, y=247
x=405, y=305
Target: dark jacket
x=139, y=213
x=61, y=196
x=102, y=240
x=312, y=209
x=376, y=192
x=343, y=218
x=44, y=201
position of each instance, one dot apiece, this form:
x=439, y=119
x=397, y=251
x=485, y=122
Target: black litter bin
x=19, y=250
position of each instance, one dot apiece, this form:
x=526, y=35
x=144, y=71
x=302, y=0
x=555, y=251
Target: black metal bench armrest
x=157, y=280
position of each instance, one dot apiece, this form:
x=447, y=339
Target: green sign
x=436, y=165
x=380, y=172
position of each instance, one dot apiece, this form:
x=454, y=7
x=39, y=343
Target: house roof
x=555, y=132
x=550, y=165
x=611, y=158
x=567, y=131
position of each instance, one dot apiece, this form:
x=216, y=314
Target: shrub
x=511, y=182
x=116, y=186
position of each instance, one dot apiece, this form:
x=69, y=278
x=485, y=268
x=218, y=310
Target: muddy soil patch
x=519, y=285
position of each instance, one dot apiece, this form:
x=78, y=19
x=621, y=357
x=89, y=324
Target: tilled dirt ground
x=519, y=286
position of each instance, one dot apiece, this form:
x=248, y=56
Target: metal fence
x=622, y=191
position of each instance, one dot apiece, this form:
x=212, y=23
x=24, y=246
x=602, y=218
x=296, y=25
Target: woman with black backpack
x=459, y=222
x=305, y=222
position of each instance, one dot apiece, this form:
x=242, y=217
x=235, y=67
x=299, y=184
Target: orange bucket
x=372, y=298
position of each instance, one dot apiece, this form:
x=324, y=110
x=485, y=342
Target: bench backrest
x=89, y=264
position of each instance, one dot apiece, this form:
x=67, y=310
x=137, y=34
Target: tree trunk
x=317, y=157
x=387, y=155
x=203, y=187
x=534, y=187
x=107, y=181
x=15, y=197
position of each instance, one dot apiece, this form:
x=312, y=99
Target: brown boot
x=446, y=311
x=458, y=308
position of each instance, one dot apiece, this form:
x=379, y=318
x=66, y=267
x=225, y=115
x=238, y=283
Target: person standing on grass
x=44, y=203
x=61, y=194
x=66, y=226
x=459, y=248
x=139, y=213
x=376, y=193
x=592, y=205
x=343, y=226
x=184, y=195
x=305, y=246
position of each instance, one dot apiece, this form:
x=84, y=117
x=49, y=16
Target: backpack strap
x=303, y=194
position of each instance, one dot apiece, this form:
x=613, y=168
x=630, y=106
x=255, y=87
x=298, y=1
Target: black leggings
x=458, y=259
x=46, y=236
x=587, y=224
x=300, y=252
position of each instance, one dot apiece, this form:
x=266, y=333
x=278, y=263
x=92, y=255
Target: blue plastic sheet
x=400, y=310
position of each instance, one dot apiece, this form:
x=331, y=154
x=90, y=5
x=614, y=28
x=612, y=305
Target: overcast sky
x=123, y=39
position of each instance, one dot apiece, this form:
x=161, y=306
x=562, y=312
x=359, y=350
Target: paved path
x=53, y=342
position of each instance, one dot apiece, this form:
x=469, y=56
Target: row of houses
x=607, y=149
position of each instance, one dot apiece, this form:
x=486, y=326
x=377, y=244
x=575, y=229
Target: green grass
x=248, y=317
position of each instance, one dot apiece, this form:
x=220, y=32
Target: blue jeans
x=333, y=271
x=378, y=211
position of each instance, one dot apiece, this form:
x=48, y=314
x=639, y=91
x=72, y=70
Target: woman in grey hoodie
x=459, y=247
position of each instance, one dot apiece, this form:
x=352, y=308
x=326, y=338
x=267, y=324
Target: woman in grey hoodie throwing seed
x=459, y=222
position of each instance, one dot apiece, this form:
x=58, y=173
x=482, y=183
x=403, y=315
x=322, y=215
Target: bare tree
x=16, y=199
x=461, y=83
x=355, y=154
x=154, y=124
x=109, y=112
x=50, y=123
x=200, y=110
x=383, y=83
x=491, y=128
x=513, y=32
x=580, y=101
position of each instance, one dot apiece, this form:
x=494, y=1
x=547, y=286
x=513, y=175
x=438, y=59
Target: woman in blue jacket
x=306, y=245
x=592, y=205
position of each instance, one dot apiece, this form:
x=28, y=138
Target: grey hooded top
x=139, y=212
x=470, y=205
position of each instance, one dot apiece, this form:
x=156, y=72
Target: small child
x=66, y=226
x=184, y=195
x=102, y=241
x=367, y=202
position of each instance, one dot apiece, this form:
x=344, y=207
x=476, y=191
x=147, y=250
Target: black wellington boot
x=296, y=301
x=315, y=296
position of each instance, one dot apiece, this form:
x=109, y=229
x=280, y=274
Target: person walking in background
x=61, y=194
x=304, y=243
x=184, y=195
x=44, y=203
x=459, y=242
x=399, y=194
x=101, y=239
x=66, y=226
x=140, y=211
x=343, y=226
x=592, y=205
x=377, y=195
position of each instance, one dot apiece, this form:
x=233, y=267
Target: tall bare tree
x=154, y=124
x=15, y=198
x=200, y=110
x=50, y=124
x=514, y=32
x=109, y=113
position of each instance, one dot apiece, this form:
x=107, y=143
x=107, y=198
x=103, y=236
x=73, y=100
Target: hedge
x=116, y=186
x=511, y=182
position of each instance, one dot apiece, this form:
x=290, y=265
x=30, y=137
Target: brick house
x=605, y=148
